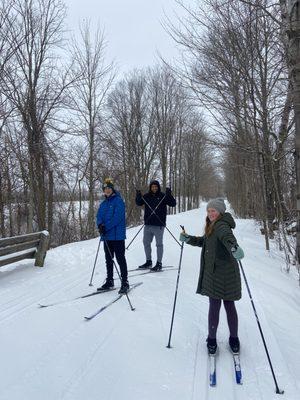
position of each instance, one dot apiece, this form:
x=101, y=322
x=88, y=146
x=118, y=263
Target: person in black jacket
x=155, y=202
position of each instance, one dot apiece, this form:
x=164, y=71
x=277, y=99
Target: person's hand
x=237, y=252
x=101, y=228
x=168, y=190
x=138, y=192
x=184, y=237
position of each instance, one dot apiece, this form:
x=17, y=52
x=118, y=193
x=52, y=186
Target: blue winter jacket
x=111, y=213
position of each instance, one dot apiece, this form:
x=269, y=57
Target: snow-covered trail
x=54, y=354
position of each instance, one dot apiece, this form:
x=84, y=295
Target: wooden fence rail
x=32, y=245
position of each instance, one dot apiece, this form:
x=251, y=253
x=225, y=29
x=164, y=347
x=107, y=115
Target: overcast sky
x=132, y=28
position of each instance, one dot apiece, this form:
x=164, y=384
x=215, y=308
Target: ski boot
x=157, y=267
x=124, y=287
x=211, y=346
x=234, y=344
x=109, y=284
x=148, y=264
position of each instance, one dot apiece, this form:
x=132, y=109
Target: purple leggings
x=213, y=317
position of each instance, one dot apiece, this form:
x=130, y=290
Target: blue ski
x=237, y=368
x=212, y=370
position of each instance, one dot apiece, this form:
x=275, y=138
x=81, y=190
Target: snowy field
x=54, y=354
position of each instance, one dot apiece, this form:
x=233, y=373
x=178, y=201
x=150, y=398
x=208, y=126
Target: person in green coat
x=219, y=277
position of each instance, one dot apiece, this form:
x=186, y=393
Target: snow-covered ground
x=54, y=354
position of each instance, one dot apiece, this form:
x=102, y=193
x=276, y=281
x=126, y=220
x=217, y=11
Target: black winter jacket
x=152, y=200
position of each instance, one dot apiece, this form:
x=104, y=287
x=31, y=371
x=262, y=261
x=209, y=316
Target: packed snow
x=55, y=354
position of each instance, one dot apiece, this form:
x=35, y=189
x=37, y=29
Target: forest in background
x=218, y=123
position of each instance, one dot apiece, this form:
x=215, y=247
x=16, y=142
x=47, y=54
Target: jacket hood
x=154, y=182
x=227, y=217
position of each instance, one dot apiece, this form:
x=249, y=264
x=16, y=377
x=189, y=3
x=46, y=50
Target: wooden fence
x=32, y=245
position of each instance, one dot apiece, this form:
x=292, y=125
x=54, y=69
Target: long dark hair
x=209, y=226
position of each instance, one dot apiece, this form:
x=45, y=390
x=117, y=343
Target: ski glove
x=237, y=252
x=138, y=195
x=101, y=228
x=168, y=191
x=184, y=237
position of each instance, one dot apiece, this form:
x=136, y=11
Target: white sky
x=132, y=28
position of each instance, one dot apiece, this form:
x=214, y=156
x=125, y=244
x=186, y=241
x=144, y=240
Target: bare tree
x=154, y=131
x=93, y=77
x=131, y=138
x=235, y=64
x=293, y=31
x=34, y=85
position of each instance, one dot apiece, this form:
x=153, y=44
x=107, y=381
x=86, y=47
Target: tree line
x=220, y=121
x=240, y=69
x=67, y=121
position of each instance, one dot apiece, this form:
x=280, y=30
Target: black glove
x=101, y=228
x=168, y=191
x=138, y=193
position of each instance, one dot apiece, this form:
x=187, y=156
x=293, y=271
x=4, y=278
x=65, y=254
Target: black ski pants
x=115, y=248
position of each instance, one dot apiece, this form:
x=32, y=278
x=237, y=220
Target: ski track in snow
x=20, y=303
x=53, y=354
x=76, y=379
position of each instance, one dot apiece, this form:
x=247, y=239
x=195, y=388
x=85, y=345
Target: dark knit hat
x=218, y=204
x=108, y=183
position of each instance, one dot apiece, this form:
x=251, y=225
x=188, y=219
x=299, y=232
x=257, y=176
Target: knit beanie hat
x=218, y=204
x=108, y=183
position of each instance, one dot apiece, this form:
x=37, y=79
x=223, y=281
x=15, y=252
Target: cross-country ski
x=114, y=300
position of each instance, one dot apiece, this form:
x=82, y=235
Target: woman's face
x=212, y=214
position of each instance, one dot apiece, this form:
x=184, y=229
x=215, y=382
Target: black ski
x=75, y=298
x=111, y=302
x=145, y=272
x=147, y=269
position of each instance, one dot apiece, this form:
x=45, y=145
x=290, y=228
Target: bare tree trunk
x=50, y=201
x=294, y=62
x=2, y=206
x=9, y=202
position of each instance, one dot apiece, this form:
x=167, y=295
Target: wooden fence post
x=42, y=249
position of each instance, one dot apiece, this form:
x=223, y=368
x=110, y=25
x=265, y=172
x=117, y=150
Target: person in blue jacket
x=112, y=228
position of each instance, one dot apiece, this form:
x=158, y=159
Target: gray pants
x=149, y=232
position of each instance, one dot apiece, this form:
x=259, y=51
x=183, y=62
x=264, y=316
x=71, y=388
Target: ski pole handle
x=182, y=227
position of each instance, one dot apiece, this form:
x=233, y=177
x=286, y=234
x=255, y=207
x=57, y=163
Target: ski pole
x=153, y=211
x=164, y=224
x=176, y=290
x=135, y=236
x=90, y=284
x=118, y=272
x=278, y=391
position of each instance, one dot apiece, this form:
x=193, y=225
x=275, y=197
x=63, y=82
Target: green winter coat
x=219, y=271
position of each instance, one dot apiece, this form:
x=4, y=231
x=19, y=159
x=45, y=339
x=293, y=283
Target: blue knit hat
x=218, y=204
